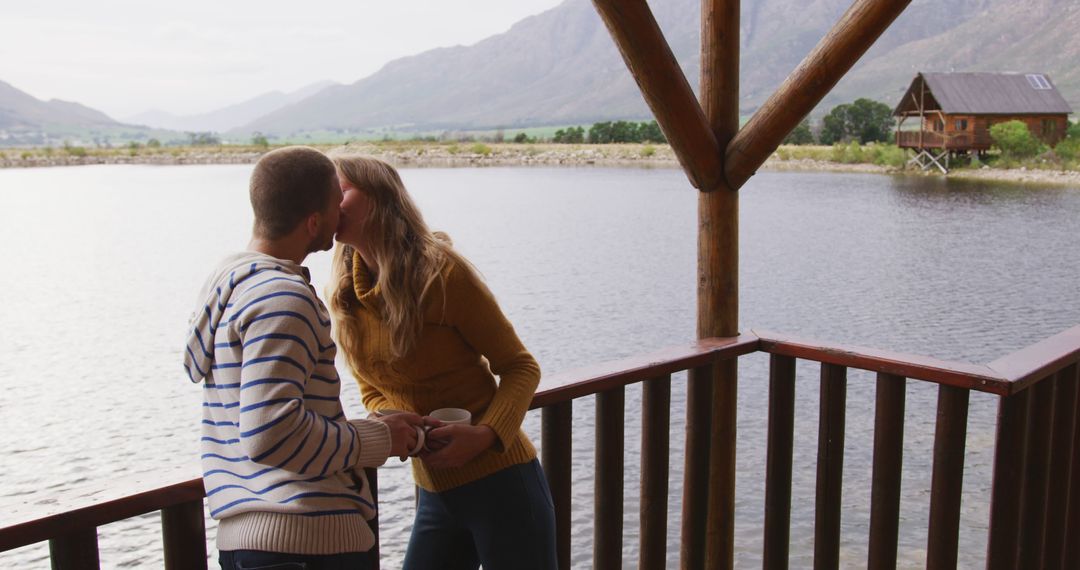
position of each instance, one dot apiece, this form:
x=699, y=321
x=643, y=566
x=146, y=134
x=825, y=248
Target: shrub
x=887, y=155
x=76, y=151
x=648, y=151
x=1068, y=149
x=1015, y=140
x=481, y=149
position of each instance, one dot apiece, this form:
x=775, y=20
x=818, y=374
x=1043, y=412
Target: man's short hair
x=287, y=185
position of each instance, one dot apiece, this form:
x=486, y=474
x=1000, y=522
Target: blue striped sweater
x=280, y=460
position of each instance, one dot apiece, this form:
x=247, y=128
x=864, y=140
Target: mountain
x=229, y=117
x=20, y=111
x=561, y=66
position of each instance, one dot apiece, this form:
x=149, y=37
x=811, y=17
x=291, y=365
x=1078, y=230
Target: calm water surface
x=102, y=265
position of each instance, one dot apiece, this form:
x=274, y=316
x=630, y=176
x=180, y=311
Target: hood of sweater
x=215, y=300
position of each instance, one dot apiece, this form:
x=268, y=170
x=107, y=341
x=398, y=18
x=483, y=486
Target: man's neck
x=280, y=249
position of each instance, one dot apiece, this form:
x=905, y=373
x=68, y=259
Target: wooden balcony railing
x=1034, y=505
x=950, y=141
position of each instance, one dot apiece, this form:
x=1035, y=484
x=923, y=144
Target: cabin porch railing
x=1034, y=505
x=947, y=141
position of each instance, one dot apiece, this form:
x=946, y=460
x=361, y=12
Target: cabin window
x=1049, y=127
x=939, y=125
x=961, y=124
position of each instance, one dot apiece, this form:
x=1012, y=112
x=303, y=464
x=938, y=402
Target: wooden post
x=665, y=88
x=808, y=84
x=556, y=431
x=183, y=532
x=718, y=269
x=77, y=550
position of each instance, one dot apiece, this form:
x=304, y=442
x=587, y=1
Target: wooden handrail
x=605, y=376
x=1037, y=361
x=88, y=507
x=959, y=374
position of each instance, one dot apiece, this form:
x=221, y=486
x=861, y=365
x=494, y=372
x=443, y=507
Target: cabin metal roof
x=987, y=94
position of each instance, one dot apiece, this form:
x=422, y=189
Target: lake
x=103, y=263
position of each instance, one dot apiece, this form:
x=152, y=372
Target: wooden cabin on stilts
x=1035, y=497
x=954, y=113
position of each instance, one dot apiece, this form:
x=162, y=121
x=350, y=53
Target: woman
x=421, y=331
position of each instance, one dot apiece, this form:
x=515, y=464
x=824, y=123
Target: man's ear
x=312, y=223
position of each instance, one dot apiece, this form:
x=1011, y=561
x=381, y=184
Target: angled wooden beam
x=837, y=52
x=718, y=269
x=665, y=88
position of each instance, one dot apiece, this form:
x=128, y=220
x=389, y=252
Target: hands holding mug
x=445, y=439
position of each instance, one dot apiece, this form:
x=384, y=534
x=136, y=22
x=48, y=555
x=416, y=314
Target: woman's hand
x=454, y=445
x=403, y=433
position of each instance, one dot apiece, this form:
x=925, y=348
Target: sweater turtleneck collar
x=364, y=285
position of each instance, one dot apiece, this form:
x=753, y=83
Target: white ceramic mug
x=451, y=416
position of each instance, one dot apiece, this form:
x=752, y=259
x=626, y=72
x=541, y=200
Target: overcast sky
x=190, y=56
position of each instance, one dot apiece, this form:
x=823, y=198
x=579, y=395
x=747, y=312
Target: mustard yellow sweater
x=466, y=341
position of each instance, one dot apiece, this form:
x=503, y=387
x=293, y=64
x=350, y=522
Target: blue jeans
x=505, y=521
x=259, y=560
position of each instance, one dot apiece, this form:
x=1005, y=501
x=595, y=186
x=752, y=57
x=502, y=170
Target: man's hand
x=403, y=435
x=454, y=445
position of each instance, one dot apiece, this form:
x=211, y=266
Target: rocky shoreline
x=413, y=155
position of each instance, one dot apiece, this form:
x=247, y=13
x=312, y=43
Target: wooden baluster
x=778, y=462
x=183, y=531
x=948, y=477
x=720, y=527
x=830, y=466
x=76, y=550
x=1072, y=524
x=888, y=460
x=1036, y=476
x=655, y=446
x=1009, y=451
x=696, y=469
x=555, y=438
x=608, y=495
x=1061, y=457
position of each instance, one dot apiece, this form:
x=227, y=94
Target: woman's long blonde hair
x=408, y=255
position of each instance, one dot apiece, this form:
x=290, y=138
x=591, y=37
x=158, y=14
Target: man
x=281, y=463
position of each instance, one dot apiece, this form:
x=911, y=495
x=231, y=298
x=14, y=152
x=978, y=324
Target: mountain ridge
x=561, y=66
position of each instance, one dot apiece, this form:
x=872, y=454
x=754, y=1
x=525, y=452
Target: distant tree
x=600, y=133
x=1015, y=140
x=523, y=138
x=575, y=135
x=153, y=143
x=203, y=139
x=651, y=133
x=801, y=134
x=865, y=120
x=834, y=126
x=259, y=139
x=500, y=136
x=625, y=132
